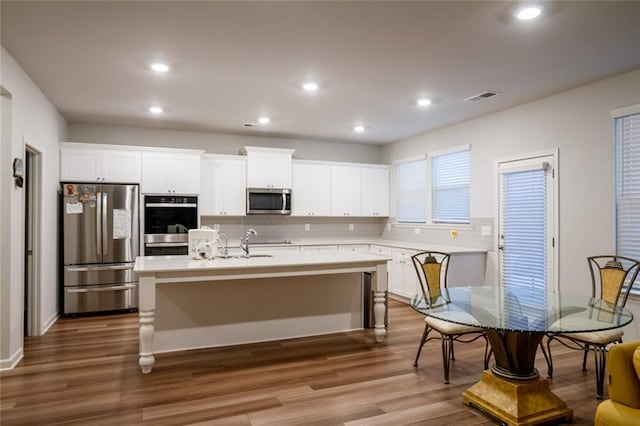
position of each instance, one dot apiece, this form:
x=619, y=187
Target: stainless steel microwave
x=268, y=201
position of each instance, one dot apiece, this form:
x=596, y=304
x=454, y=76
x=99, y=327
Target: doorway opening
x=32, y=253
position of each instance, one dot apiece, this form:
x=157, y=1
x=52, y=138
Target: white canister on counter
x=203, y=243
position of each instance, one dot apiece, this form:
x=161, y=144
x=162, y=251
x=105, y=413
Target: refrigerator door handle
x=99, y=268
x=99, y=223
x=105, y=209
x=110, y=288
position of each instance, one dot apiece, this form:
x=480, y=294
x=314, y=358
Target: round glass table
x=515, y=323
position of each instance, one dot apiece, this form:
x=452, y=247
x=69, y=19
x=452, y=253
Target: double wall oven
x=167, y=220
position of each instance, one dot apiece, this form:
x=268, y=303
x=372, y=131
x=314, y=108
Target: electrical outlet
x=416, y=231
x=307, y=227
x=351, y=227
x=485, y=230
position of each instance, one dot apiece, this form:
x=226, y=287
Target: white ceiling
x=234, y=61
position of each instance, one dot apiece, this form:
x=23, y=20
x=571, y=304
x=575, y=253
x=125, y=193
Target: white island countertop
x=188, y=304
x=275, y=260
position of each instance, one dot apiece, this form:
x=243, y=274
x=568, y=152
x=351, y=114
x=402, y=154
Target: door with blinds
x=527, y=234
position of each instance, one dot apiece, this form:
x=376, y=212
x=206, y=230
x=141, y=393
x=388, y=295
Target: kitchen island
x=190, y=304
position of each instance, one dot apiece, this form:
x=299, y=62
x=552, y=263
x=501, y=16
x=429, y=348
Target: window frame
x=431, y=156
x=618, y=115
x=415, y=158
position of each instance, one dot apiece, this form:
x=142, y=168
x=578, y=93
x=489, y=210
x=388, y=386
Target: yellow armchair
x=623, y=406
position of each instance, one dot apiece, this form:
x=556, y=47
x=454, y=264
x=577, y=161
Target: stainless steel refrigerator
x=100, y=233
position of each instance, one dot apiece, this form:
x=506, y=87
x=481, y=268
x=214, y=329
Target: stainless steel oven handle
x=166, y=244
x=110, y=288
x=99, y=268
x=171, y=205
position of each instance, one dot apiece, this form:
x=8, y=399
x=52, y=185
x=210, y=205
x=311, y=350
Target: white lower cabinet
x=354, y=248
x=403, y=280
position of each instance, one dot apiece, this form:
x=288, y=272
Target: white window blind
x=410, y=191
x=628, y=186
x=450, y=187
x=523, y=238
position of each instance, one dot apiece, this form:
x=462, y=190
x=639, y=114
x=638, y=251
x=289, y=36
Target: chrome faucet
x=224, y=252
x=244, y=242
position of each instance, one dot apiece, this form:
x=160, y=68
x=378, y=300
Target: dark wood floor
x=85, y=371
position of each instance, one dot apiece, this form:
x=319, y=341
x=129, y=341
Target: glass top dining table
x=516, y=321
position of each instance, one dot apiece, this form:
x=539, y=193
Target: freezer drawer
x=100, y=298
x=81, y=275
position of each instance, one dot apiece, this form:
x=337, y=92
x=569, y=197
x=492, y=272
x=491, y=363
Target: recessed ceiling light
x=264, y=120
x=423, y=102
x=155, y=109
x=310, y=86
x=159, y=67
x=358, y=128
x=528, y=12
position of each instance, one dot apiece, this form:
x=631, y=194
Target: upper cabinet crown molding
x=89, y=145
x=264, y=149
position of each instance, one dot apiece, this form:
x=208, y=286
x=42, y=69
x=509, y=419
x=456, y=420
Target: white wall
x=579, y=123
x=35, y=122
x=220, y=143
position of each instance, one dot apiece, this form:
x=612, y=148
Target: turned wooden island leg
x=147, y=297
x=379, y=285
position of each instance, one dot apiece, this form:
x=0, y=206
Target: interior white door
x=527, y=242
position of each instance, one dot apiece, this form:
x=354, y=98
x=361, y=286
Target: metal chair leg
x=453, y=355
x=422, y=341
x=584, y=357
x=547, y=356
x=550, y=358
x=447, y=346
x=600, y=355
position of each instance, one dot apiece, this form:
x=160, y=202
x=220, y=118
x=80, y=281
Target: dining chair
x=432, y=268
x=612, y=278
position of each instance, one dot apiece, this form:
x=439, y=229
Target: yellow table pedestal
x=517, y=403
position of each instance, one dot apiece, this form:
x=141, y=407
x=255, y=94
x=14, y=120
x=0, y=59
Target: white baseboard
x=47, y=325
x=10, y=363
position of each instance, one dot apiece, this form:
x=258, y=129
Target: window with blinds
x=523, y=238
x=450, y=174
x=410, y=191
x=628, y=186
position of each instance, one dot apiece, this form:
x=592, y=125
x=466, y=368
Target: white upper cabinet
x=311, y=191
x=170, y=172
x=374, y=191
x=80, y=163
x=269, y=167
x=345, y=191
x=223, y=185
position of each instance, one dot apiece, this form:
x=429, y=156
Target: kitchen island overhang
x=189, y=304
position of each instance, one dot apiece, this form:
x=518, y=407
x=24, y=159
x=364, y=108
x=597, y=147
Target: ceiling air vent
x=481, y=96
